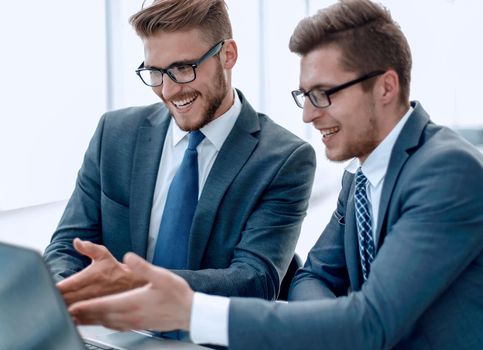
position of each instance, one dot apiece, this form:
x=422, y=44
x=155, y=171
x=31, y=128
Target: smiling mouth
x=185, y=102
x=329, y=132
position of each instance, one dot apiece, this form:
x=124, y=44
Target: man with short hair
x=400, y=264
x=200, y=184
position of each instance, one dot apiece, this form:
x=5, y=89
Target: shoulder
x=445, y=171
x=122, y=125
x=272, y=138
x=276, y=136
x=263, y=127
x=443, y=149
x=139, y=115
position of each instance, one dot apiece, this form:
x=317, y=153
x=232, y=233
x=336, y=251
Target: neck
x=390, y=117
x=226, y=103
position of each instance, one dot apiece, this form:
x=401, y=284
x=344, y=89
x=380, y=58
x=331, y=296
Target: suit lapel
x=408, y=139
x=351, y=241
x=147, y=156
x=234, y=153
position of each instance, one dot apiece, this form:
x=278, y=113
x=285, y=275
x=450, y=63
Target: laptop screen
x=32, y=312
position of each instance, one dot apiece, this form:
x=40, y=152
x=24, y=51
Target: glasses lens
x=299, y=98
x=151, y=77
x=182, y=74
x=319, y=98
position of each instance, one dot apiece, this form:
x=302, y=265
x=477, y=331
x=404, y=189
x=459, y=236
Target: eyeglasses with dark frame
x=179, y=73
x=320, y=98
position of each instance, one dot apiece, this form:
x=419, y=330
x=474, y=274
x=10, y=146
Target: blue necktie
x=172, y=244
x=364, y=224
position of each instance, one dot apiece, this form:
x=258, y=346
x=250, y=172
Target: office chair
x=295, y=264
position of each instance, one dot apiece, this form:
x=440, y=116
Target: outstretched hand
x=163, y=304
x=104, y=276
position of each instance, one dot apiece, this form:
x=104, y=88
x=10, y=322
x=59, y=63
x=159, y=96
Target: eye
x=318, y=95
x=181, y=69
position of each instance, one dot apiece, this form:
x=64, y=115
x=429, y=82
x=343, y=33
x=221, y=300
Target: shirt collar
x=215, y=131
x=375, y=166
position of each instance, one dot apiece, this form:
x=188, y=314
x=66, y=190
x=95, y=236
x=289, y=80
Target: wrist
x=186, y=306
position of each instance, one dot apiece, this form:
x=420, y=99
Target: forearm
x=269, y=233
x=61, y=256
x=62, y=259
x=324, y=274
x=310, y=288
x=346, y=323
x=80, y=220
x=256, y=268
x=236, y=280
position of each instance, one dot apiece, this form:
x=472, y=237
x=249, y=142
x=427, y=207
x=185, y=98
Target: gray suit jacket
x=248, y=218
x=425, y=288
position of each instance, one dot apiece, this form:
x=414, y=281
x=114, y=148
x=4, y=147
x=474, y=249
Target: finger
x=95, y=310
x=114, y=311
x=91, y=250
x=73, y=296
x=89, y=316
x=86, y=284
x=70, y=284
x=75, y=282
x=134, y=261
x=144, y=269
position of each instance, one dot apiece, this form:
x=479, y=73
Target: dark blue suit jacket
x=249, y=213
x=425, y=288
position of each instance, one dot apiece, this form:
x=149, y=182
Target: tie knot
x=194, y=139
x=361, y=179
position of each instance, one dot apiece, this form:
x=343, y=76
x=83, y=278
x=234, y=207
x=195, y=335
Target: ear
x=388, y=87
x=229, y=54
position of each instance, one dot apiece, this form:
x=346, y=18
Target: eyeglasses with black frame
x=320, y=98
x=179, y=73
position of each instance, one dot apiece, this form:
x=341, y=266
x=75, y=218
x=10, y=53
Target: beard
x=362, y=142
x=213, y=99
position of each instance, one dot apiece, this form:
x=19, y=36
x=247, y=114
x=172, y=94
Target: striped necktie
x=364, y=224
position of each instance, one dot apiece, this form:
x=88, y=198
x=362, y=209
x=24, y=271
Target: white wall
x=53, y=90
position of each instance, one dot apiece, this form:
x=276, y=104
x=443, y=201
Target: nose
x=311, y=112
x=169, y=88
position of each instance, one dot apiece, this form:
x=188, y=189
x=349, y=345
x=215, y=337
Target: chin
x=337, y=157
x=188, y=124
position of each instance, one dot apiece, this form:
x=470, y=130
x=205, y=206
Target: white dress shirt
x=174, y=147
x=209, y=314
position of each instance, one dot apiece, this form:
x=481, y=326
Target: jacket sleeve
x=324, y=274
x=268, y=239
x=432, y=249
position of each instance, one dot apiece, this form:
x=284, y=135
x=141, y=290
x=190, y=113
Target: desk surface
x=121, y=339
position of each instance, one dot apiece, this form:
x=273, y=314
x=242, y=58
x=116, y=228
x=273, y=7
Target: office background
x=64, y=63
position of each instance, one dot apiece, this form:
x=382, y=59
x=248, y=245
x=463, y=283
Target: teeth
x=184, y=102
x=328, y=132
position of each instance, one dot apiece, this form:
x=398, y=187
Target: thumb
x=143, y=269
x=89, y=249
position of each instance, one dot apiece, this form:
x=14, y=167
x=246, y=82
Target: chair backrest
x=295, y=264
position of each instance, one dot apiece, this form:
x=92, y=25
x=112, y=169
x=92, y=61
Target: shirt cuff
x=209, y=319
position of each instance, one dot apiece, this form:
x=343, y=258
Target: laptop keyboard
x=90, y=346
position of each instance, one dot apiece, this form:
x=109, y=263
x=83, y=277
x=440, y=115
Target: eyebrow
x=180, y=63
x=318, y=86
x=172, y=65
